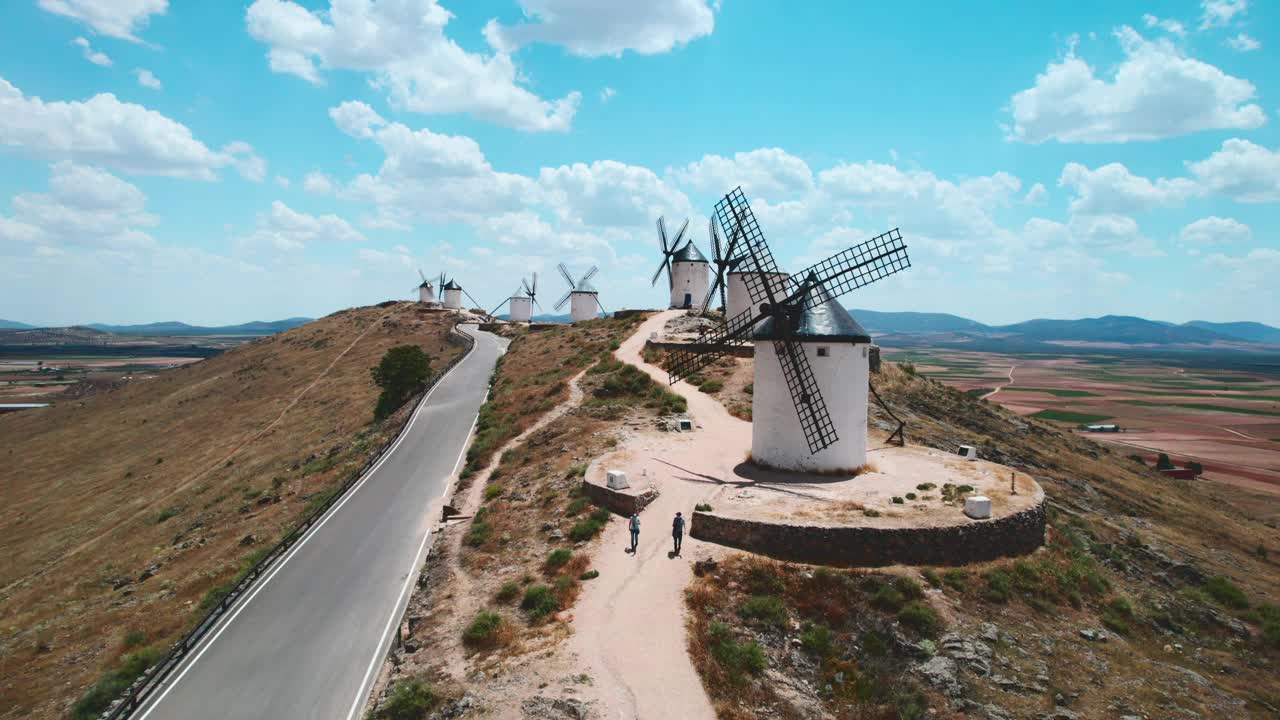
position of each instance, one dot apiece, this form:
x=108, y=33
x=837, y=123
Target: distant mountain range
x=1118, y=329
x=14, y=325
x=174, y=327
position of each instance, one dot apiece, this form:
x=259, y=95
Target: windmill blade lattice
x=860, y=265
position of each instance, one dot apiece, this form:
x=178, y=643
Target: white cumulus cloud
x=147, y=79
x=1113, y=189
x=284, y=229
x=114, y=18
x=317, y=183
x=1155, y=92
x=123, y=136
x=766, y=171
x=404, y=47
x=84, y=206
x=93, y=56
x=1241, y=170
x=1243, y=43
x=1215, y=230
x=592, y=29
x=1173, y=27
x=1216, y=13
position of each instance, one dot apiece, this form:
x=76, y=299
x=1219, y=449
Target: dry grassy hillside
x=127, y=510
x=1152, y=598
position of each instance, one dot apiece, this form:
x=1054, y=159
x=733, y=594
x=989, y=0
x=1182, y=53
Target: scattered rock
x=702, y=567
x=989, y=632
x=544, y=708
x=940, y=672
x=247, y=540
x=1093, y=635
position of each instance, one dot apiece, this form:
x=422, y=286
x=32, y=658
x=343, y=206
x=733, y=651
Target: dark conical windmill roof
x=585, y=286
x=452, y=286
x=689, y=253
x=824, y=319
x=425, y=284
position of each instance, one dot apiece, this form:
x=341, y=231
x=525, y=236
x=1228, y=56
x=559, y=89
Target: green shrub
x=134, y=638
x=215, y=595
x=558, y=558
x=910, y=496
x=763, y=579
x=711, y=386
x=921, y=618
x=166, y=514
x=492, y=491
x=874, y=645
x=576, y=506
x=926, y=487
x=1270, y=615
x=479, y=530
x=1117, y=613
x=702, y=507
x=999, y=586
x=589, y=575
x=483, y=629
x=767, y=609
x=737, y=658
x=897, y=500
x=888, y=599
x=909, y=588
x=818, y=640
x=1225, y=592
x=539, y=602
x=410, y=699
x=100, y=695
x=956, y=579
x=508, y=592
x=931, y=576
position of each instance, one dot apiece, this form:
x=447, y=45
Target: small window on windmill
x=824, y=352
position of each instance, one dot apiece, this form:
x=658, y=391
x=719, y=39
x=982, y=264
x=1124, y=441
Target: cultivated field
x=1226, y=419
x=128, y=510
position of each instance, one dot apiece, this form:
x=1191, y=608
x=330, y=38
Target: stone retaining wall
x=745, y=351
x=863, y=546
x=619, y=502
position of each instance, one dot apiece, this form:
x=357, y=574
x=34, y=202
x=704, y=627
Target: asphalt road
x=306, y=642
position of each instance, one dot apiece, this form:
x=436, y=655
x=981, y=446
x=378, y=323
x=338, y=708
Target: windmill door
x=688, y=300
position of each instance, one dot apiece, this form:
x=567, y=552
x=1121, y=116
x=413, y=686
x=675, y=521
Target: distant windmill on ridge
x=686, y=268
x=730, y=275
x=521, y=301
x=584, y=299
x=452, y=293
x=804, y=341
x=426, y=291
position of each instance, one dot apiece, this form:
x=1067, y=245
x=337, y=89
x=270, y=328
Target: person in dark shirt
x=677, y=531
x=634, y=526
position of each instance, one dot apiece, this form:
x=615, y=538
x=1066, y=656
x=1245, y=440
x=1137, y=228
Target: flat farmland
x=1223, y=414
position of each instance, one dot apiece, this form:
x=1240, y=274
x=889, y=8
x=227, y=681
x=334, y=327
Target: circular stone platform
x=854, y=521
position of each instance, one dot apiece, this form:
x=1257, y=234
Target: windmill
x=585, y=298
x=686, y=268
x=730, y=278
x=452, y=293
x=521, y=301
x=426, y=292
x=804, y=340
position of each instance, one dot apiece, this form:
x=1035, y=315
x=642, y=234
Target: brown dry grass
x=173, y=473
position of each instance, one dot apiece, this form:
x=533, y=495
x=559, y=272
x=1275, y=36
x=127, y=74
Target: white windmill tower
x=686, y=268
x=731, y=275
x=426, y=291
x=809, y=403
x=583, y=299
x=452, y=294
x=522, y=301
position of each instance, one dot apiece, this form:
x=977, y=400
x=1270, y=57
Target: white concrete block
x=616, y=480
x=968, y=452
x=977, y=507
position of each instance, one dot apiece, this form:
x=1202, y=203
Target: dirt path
x=467, y=602
x=629, y=626
x=1001, y=387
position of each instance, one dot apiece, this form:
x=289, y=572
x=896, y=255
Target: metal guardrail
x=154, y=677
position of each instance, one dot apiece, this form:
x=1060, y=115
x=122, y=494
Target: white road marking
x=226, y=622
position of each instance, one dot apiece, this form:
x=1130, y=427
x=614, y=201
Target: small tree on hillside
x=1163, y=462
x=1196, y=467
x=403, y=371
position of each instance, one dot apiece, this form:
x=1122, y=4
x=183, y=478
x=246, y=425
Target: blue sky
x=223, y=162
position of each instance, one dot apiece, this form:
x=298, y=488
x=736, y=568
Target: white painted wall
x=520, y=309
x=739, y=299
x=776, y=437
x=426, y=294
x=582, y=306
x=453, y=299
x=690, y=278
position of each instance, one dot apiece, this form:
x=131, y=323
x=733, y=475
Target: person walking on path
x=677, y=531
x=634, y=526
